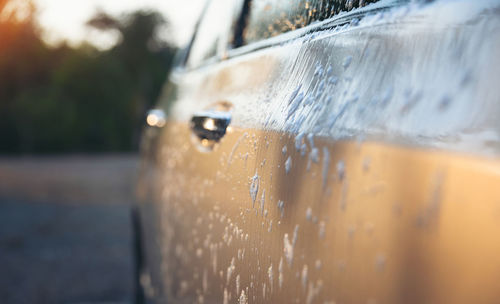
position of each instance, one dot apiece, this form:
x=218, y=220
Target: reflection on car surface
x=326, y=151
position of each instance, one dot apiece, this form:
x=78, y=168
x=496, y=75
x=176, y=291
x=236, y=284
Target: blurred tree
x=64, y=99
x=24, y=63
x=143, y=53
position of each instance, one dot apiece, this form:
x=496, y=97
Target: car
x=326, y=151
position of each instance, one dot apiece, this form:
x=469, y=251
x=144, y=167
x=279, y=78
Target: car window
x=214, y=31
x=269, y=18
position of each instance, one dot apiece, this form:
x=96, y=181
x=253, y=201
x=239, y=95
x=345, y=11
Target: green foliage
x=79, y=100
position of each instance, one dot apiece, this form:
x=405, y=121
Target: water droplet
x=270, y=274
x=351, y=231
x=329, y=70
x=280, y=270
x=288, y=249
x=318, y=71
x=314, y=156
x=380, y=262
x=322, y=230
x=298, y=141
x=262, y=201
x=326, y=165
x=313, y=292
x=333, y=80
x=226, y=297
x=304, y=276
x=431, y=211
x=288, y=164
x=343, y=196
x=303, y=149
x=235, y=147
x=205, y=280
x=444, y=103
x=243, y=298
x=318, y=264
x=309, y=213
x=281, y=207
x=321, y=87
x=310, y=138
x=466, y=77
x=237, y=284
x=294, y=94
x=309, y=101
x=230, y=270
x=387, y=97
x=347, y=62
x=295, y=234
x=254, y=187
x=295, y=105
x=412, y=98
x=366, y=164
x=341, y=170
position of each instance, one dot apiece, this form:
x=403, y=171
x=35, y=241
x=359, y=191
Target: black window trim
x=241, y=25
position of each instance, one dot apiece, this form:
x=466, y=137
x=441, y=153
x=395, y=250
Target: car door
x=328, y=152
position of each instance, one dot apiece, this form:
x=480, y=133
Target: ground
x=65, y=231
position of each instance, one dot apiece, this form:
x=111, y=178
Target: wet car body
x=353, y=159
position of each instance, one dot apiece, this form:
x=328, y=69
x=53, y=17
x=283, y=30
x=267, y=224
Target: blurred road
x=65, y=232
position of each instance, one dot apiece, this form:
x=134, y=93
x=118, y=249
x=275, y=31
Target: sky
x=65, y=19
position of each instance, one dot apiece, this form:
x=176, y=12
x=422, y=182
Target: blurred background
x=76, y=78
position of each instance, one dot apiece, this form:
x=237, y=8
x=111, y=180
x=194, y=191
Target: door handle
x=210, y=125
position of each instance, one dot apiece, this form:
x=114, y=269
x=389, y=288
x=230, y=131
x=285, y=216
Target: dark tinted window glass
x=269, y=18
